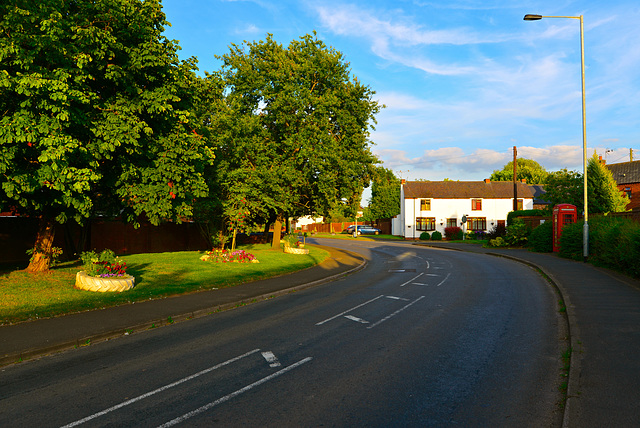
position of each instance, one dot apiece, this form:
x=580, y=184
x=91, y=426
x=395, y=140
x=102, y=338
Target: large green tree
x=527, y=169
x=95, y=115
x=564, y=187
x=603, y=195
x=292, y=130
x=385, y=194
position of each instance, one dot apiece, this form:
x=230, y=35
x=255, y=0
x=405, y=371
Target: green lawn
x=28, y=296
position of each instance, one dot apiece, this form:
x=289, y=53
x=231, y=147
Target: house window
x=425, y=204
x=476, y=204
x=476, y=223
x=627, y=190
x=452, y=222
x=520, y=204
x=425, y=223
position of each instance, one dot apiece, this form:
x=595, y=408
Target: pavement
x=603, y=311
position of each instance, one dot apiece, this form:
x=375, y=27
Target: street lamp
x=585, y=230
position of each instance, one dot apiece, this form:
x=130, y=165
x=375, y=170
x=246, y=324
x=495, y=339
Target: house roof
x=465, y=190
x=538, y=194
x=625, y=172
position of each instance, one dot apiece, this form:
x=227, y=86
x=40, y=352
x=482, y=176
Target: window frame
x=476, y=204
x=471, y=221
x=428, y=225
x=425, y=203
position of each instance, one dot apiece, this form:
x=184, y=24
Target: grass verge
x=31, y=296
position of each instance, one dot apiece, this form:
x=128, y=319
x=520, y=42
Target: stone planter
x=292, y=250
x=114, y=283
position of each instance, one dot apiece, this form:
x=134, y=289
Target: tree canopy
x=527, y=169
x=95, y=115
x=385, y=194
x=603, y=195
x=291, y=128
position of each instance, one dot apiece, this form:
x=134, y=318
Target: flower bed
x=227, y=256
x=103, y=272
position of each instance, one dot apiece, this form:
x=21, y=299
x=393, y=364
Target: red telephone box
x=562, y=214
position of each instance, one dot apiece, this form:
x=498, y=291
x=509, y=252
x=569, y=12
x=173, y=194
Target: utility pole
x=630, y=155
x=515, y=182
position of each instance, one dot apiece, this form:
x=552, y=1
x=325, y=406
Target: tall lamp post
x=585, y=230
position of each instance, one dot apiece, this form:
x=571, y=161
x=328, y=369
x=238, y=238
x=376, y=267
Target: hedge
x=525, y=213
x=614, y=243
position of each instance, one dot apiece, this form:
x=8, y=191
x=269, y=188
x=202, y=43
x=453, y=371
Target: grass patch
x=30, y=296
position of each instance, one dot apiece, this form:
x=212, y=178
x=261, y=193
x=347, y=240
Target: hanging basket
x=114, y=283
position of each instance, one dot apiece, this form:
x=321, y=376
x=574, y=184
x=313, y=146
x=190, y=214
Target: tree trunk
x=277, y=228
x=41, y=257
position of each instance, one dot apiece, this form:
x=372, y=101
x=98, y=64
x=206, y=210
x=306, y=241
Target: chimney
x=487, y=180
x=403, y=181
x=523, y=180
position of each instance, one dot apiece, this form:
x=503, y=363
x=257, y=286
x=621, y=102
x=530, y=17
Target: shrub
x=424, y=236
x=515, y=214
x=571, y=241
x=497, y=231
x=453, y=233
x=436, y=236
x=541, y=238
x=103, y=265
x=517, y=233
x=498, y=242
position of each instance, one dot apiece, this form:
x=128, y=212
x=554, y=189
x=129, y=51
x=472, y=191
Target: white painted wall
x=442, y=209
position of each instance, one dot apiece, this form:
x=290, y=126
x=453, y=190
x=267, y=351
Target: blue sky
x=463, y=81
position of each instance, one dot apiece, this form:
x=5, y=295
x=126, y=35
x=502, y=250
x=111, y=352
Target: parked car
x=363, y=230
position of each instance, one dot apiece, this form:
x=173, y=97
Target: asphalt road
x=420, y=337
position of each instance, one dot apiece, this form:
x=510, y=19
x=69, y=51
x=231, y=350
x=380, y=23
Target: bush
x=497, y=231
x=515, y=214
x=498, y=242
x=615, y=243
x=424, y=236
x=453, y=233
x=103, y=265
x=517, y=233
x=571, y=241
x=541, y=238
x=436, y=236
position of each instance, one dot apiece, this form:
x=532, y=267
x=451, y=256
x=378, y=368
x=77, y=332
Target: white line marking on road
x=349, y=310
x=233, y=394
x=271, y=359
x=155, y=391
x=442, y=282
x=397, y=270
x=427, y=262
x=432, y=274
x=418, y=283
x=356, y=319
x=396, y=298
x=412, y=279
x=395, y=313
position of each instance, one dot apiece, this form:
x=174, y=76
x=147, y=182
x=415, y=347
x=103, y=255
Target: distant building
x=427, y=206
x=627, y=177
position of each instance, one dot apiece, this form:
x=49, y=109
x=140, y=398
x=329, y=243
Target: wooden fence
x=384, y=226
x=18, y=234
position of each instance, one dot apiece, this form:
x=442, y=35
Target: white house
x=427, y=206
